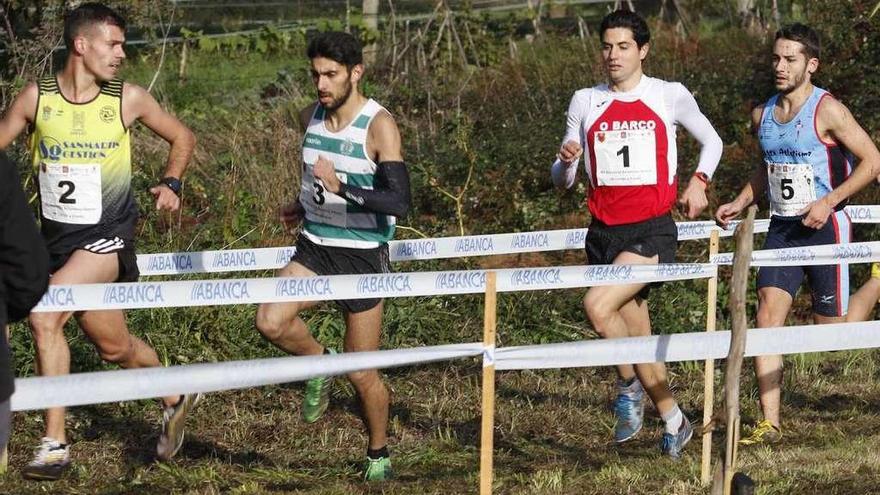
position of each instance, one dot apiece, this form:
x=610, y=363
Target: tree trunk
x=371, y=23
x=747, y=10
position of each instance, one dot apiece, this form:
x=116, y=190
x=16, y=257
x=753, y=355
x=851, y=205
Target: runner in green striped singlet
x=354, y=184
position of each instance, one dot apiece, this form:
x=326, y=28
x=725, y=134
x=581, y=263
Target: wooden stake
x=709, y=378
x=739, y=325
x=488, y=422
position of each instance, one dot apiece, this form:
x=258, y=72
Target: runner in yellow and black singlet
x=79, y=121
x=81, y=154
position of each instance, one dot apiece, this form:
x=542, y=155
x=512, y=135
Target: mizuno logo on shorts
x=102, y=246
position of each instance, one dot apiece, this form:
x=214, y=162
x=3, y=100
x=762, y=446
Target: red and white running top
x=629, y=147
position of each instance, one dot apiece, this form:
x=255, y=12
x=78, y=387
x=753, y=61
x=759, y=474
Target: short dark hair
x=87, y=15
x=803, y=34
x=338, y=46
x=623, y=18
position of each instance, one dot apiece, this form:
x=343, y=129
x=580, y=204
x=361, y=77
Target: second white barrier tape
x=265, y=290
x=145, y=383
x=827, y=254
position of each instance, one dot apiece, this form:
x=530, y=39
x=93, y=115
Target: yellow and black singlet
x=82, y=157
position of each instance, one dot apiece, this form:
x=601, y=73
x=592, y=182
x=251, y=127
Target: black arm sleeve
x=390, y=194
x=24, y=261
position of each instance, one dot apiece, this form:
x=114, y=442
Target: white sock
x=673, y=420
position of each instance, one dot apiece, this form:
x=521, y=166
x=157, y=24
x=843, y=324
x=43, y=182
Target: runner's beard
x=795, y=82
x=338, y=102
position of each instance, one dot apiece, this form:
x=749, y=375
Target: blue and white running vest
x=330, y=220
x=801, y=168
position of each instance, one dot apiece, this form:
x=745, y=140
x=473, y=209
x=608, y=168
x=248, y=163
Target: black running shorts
x=124, y=250
x=653, y=237
x=330, y=260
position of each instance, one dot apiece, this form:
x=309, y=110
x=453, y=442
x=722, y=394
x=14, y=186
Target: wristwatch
x=703, y=178
x=173, y=183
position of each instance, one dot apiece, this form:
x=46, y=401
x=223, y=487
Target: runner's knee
x=116, y=352
x=364, y=379
x=598, y=312
x=46, y=326
x=270, y=323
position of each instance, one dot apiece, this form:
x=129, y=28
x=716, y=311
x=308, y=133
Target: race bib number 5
x=625, y=158
x=791, y=187
x=71, y=193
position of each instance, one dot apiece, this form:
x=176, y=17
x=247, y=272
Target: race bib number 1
x=71, y=193
x=625, y=158
x=791, y=187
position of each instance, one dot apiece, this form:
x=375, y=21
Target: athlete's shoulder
x=383, y=123
x=25, y=103
x=30, y=92
x=672, y=88
x=587, y=92
x=832, y=111
x=583, y=96
x=828, y=100
x=129, y=92
x=383, y=136
x=757, y=114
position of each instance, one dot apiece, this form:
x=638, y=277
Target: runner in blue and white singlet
x=802, y=168
x=809, y=141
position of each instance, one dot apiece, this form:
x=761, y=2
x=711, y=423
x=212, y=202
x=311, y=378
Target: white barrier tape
x=146, y=383
x=232, y=260
x=827, y=254
x=689, y=346
x=264, y=290
x=863, y=213
x=121, y=385
x=488, y=356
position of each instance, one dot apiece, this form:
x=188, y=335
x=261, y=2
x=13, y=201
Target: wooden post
x=370, y=10
x=181, y=70
x=739, y=325
x=709, y=378
x=488, y=422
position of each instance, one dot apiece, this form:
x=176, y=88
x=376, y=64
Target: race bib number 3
x=321, y=205
x=625, y=158
x=791, y=187
x=71, y=193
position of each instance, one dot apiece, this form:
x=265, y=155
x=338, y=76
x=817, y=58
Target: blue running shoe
x=672, y=445
x=629, y=408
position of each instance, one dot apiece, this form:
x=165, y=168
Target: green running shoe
x=378, y=469
x=317, y=397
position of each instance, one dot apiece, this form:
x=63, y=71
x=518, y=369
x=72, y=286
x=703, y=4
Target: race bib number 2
x=71, y=193
x=791, y=187
x=625, y=158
